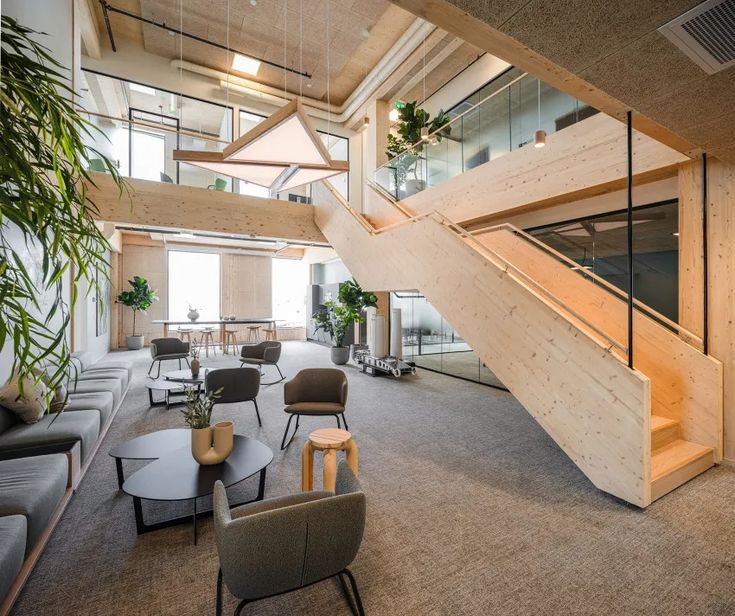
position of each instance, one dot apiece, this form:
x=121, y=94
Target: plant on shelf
x=138, y=299
x=334, y=318
x=44, y=207
x=406, y=147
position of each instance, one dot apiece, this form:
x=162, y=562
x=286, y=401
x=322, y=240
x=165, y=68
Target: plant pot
x=212, y=445
x=135, y=342
x=192, y=315
x=195, y=365
x=340, y=355
x=414, y=186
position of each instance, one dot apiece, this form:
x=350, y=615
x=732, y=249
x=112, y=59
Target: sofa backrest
x=7, y=419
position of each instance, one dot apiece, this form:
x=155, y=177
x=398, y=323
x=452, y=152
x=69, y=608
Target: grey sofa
x=282, y=544
x=83, y=359
x=265, y=353
x=163, y=349
x=31, y=491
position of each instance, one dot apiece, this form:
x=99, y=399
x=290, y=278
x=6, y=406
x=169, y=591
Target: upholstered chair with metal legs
x=266, y=353
x=237, y=385
x=315, y=392
x=163, y=349
x=278, y=545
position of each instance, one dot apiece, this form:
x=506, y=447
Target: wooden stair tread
x=676, y=455
x=662, y=423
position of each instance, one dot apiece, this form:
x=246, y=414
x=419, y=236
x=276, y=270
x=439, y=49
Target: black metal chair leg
x=238, y=609
x=345, y=422
x=218, y=604
x=279, y=372
x=339, y=425
x=186, y=359
x=151, y=368
x=179, y=363
x=355, y=592
x=255, y=402
x=346, y=593
x=285, y=434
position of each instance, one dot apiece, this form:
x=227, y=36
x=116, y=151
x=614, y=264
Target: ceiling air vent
x=706, y=34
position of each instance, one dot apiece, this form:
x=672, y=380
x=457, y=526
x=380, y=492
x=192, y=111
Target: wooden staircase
x=557, y=341
x=674, y=461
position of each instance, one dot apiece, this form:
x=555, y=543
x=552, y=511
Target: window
x=290, y=279
x=193, y=281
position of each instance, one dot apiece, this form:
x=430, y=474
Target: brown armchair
x=236, y=385
x=266, y=353
x=163, y=349
x=315, y=392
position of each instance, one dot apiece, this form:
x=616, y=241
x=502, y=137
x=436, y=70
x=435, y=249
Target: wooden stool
x=230, y=340
x=254, y=333
x=208, y=339
x=185, y=333
x=328, y=440
x=270, y=333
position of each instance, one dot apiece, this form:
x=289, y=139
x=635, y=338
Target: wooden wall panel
x=149, y=262
x=603, y=426
x=691, y=247
x=586, y=159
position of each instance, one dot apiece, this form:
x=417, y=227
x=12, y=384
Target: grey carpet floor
x=472, y=509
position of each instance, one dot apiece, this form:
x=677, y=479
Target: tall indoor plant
x=357, y=301
x=44, y=205
x=406, y=147
x=138, y=299
x=334, y=319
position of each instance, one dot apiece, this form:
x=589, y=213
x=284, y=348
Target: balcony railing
x=503, y=121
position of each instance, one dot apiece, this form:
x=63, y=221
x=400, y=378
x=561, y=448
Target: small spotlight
x=539, y=139
x=424, y=133
x=365, y=122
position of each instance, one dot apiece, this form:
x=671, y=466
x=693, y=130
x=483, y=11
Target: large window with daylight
x=148, y=155
x=193, y=282
x=290, y=279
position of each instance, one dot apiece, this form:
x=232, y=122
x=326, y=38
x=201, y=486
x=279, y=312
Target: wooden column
x=383, y=308
x=721, y=285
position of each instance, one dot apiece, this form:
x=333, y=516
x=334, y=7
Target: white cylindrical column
x=378, y=346
x=396, y=338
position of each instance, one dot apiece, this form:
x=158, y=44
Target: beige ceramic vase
x=214, y=444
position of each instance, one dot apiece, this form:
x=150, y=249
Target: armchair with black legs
x=266, y=353
x=163, y=349
x=236, y=385
x=282, y=544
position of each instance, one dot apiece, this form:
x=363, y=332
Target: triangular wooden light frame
x=260, y=131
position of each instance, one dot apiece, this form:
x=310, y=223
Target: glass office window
x=290, y=278
x=599, y=244
x=193, y=281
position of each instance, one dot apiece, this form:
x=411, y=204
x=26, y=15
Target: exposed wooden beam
x=88, y=29
x=159, y=204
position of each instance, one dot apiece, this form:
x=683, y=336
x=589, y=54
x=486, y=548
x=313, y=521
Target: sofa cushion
x=53, y=432
x=115, y=364
x=31, y=405
x=12, y=549
x=33, y=487
x=82, y=360
x=112, y=373
x=114, y=386
x=100, y=400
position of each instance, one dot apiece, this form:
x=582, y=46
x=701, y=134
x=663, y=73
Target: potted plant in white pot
x=334, y=319
x=209, y=444
x=357, y=301
x=139, y=299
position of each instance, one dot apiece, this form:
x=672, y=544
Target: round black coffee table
x=174, y=475
x=184, y=376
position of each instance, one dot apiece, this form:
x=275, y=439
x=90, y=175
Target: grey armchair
x=237, y=385
x=315, y=392
x=282, y=544
x=163, y=349
x=263, y=354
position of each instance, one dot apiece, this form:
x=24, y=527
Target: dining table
x=220, y=323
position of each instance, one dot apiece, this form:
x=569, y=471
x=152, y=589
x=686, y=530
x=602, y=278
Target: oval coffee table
x=175, y=476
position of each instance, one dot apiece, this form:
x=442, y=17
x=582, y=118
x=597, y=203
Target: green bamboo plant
x=43, y=195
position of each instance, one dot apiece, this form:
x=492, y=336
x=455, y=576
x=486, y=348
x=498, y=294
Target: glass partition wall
x=432, y=343
x=497, y=119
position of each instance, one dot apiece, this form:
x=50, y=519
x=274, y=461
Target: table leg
x=150, y=396
x=275, y=330
x=195, y=521
x=165, y=330
x=120, y=476
x=330, y=469
x=261, y=486
x=352, y=455
x=222, y=340
x=140, y=525
x=307, y=468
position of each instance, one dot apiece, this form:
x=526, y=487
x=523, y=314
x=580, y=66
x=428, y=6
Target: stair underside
x=676, y=462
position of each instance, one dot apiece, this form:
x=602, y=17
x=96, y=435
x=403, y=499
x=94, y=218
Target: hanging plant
x=44, y=204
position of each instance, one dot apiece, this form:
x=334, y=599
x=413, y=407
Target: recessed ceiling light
x=393, y=115
x=136, y=87
x=186, y=235
x=308, y=85
x=675, y=234
x=365, y=33
x=245, y=64
x=253, y=2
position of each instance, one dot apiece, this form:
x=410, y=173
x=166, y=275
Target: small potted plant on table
x=139, y=299
x=209, y=444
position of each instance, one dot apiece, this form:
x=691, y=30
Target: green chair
x=219, y=184
x=97, y=164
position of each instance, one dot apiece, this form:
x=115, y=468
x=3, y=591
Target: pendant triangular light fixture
x=284, y=142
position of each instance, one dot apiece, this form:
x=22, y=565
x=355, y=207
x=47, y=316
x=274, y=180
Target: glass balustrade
x=502, y=121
